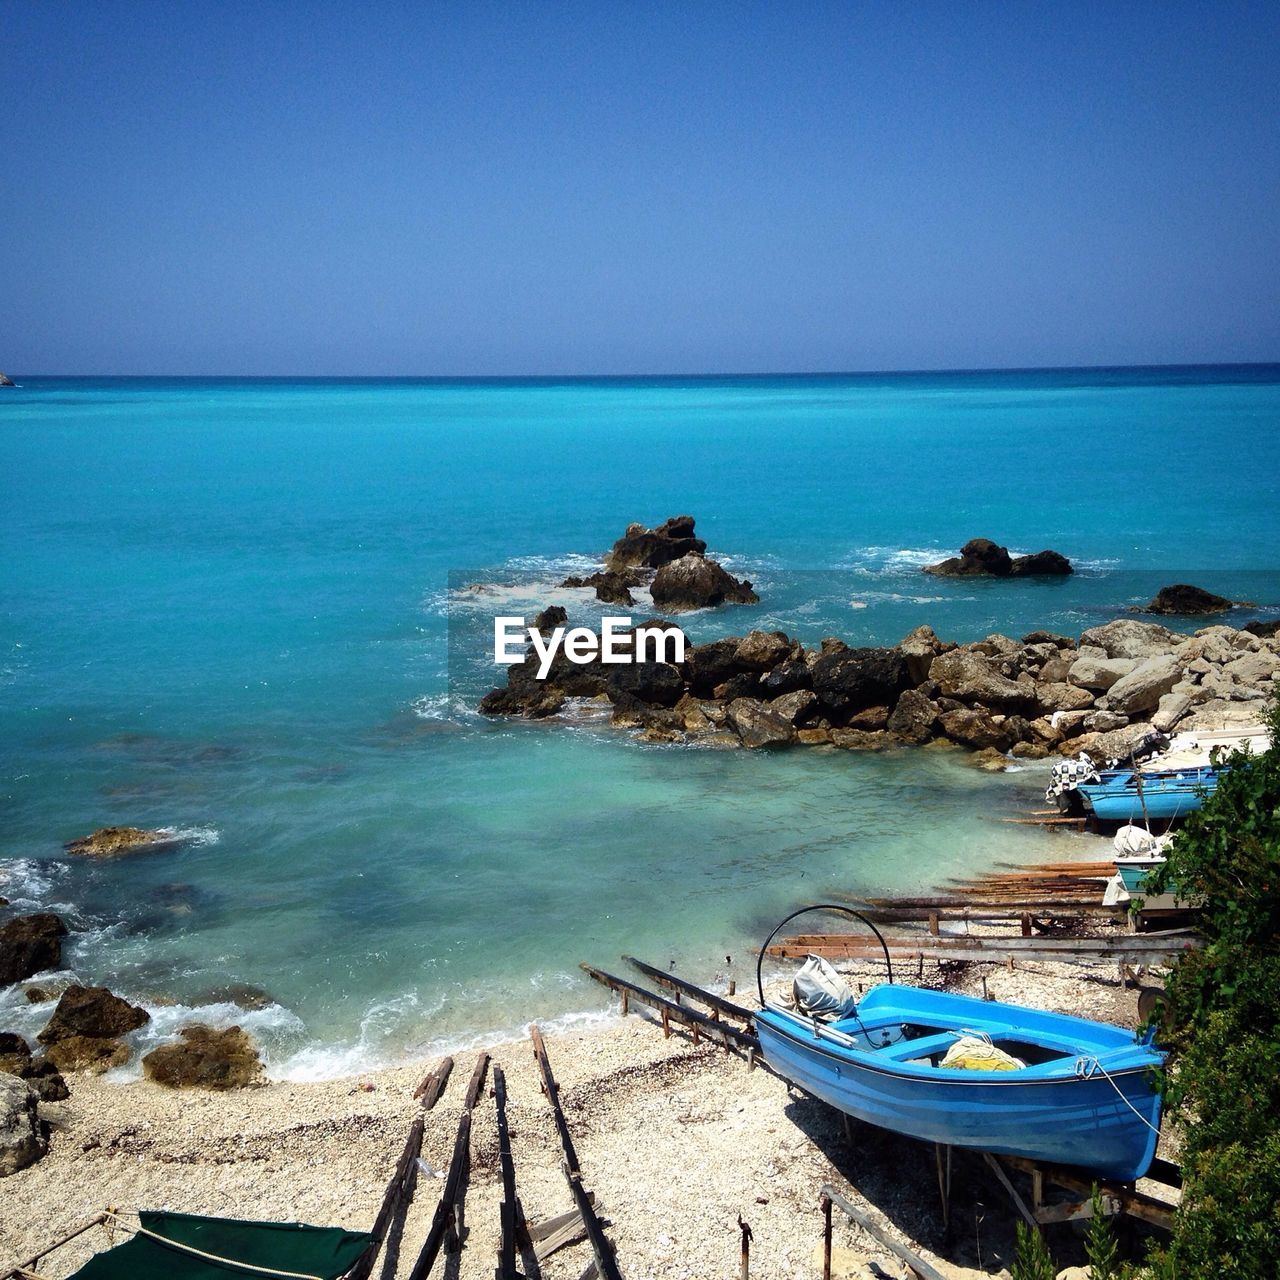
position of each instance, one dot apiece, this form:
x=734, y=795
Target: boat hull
x=1105, y=1123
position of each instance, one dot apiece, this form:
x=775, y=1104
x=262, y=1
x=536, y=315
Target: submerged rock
x=109, y=842
x=206, y=1059
x=1186, y=601
x=30, y=945
x=641, y=548
x=694, y=582
x=610, y=587
x=94, y=1012
x=22, y=1137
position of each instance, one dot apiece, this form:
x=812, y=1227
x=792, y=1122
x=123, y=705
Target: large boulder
x=1127, y=638
x=92, y=1011
x=974, y=678
x=22, y=1136
x=110, y=842
x=1184, y=600
x=920, y=647
x=1094, y=670
x=979, y=557
x=711, y=664
x=914, y=718
x=1144, y=686
x=1060, y=696
x=94, y=1054
x=29, y=945
x=657, y=683
x=977, y=727
x=850, y=680
x=762, y=650
x=641, y=548
x=694, y=582
x=1264, y=629
x=758, y=724
x=206, y=1059
x=798, y=708
x=1041, y=564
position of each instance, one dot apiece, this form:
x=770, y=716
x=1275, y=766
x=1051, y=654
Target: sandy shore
x=676, y=1141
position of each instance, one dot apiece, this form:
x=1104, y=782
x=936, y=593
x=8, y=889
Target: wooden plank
x=446, y=1215
x=976, y=954
x=728, y=1036
x=509, y=1209
x=899, y=1250
x=709, y=998
x=433, y=1085
x=1135, y=1203
x=601, y=1247
x=549, y=1226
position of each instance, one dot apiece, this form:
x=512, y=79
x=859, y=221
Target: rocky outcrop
x=5, y=380
x=982, y=558
x=206, y=1059
x=1264, y=630
x=92, y=1012
x=23, y=1139
x=94, y=1054
x=641, y=548
x=695, y=582
x=30, y=945
x=40, y=1073
x=110, y=842
x=611, y=587
x=1187, y=601
x=1025, y=697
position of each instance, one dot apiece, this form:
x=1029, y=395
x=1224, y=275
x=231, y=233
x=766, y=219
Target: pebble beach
x=676, y=1141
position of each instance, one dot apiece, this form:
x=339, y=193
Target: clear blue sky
x=613, y=187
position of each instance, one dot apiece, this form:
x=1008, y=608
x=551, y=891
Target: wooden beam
x=433, y=1085
x=896, y=1247
x=601, y=1248
x=700, y=1023
x=509, y=1215
x=709, y=998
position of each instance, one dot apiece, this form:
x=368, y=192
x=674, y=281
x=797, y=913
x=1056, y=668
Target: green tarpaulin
x=280, y=1246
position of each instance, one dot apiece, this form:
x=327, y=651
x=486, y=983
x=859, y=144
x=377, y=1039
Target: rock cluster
x=108, y=842
x=673, y=562
x=206, y=1059
x=5, y=380
x=1032, y=697
x=982, y=558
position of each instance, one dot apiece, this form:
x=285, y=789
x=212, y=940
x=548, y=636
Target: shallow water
x=225, y=609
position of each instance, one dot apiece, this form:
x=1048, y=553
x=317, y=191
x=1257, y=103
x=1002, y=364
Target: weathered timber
x=601, y=1247
x=684, y=987
x=872, y=1228
x=1126, y=1198
x=433, y=1085
x=700, y=1023
x=1142, y=948
x=28, y=1266
x=395, y=1199
x=444, y=1222
x=510, y=1218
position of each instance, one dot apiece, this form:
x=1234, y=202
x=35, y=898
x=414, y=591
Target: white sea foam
x=197, y=836
x=442, y=708
x=877, y=561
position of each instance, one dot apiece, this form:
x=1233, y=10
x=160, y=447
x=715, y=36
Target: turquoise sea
x=225, y=605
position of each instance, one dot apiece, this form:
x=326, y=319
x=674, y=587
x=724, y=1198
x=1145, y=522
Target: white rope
x=1085, y=1067
x=213, y=1257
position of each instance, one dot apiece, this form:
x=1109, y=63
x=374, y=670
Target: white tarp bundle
x=821, y=992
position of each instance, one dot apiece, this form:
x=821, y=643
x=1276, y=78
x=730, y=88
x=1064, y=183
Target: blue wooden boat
x=1085, y=1097
x=1131, y=796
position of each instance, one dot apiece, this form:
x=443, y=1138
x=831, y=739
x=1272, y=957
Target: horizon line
x=708, y=375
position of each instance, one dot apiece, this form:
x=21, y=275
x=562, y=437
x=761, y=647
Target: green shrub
x=1032, y=1261
x=1221, y=1021
x=1100, y=1242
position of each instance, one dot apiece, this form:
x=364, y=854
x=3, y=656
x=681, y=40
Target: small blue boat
x=1085, y=1097
x=1127, y=795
